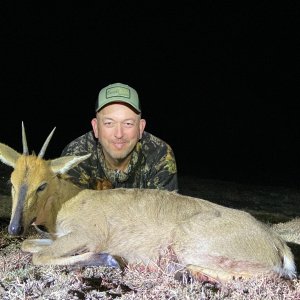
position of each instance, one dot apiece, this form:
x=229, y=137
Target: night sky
x=217, y=80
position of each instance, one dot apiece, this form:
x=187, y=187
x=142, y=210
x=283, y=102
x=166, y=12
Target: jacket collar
x=118, y=175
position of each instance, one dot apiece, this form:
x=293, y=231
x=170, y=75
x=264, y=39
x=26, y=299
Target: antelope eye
x=42, y=187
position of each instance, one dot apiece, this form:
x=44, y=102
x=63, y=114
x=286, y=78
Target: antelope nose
x=15, y=229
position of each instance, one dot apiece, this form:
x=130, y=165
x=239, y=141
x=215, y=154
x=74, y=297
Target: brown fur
x=210, y=240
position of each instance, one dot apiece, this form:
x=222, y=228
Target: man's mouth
x=119, y=145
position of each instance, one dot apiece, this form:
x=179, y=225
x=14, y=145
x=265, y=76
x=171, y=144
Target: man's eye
x=128, y=124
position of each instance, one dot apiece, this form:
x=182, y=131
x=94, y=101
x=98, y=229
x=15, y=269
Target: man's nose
x=118, y=130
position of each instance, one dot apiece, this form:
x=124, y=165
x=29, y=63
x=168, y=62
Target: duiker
x=88, y=226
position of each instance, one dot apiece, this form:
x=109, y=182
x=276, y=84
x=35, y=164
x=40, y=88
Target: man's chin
x=119, y=155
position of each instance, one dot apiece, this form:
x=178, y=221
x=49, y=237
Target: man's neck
x=116, y=164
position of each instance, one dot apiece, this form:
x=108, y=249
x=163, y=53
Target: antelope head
x=33, y=181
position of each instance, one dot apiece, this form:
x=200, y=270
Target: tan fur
x=138, y=225
x=289, y=231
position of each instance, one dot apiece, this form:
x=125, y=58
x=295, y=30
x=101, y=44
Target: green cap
x=118, y=92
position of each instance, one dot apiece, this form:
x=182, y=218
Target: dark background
x=219, y=81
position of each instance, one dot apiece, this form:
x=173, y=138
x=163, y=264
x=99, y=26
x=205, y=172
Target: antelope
x=89, y=227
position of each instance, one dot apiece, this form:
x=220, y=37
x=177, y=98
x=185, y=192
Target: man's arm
x=163, y=173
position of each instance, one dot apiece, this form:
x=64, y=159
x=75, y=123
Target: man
x=122, y=153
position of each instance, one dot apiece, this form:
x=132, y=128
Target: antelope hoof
x=106, y=260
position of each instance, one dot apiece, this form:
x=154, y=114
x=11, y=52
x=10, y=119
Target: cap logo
x=118, y=92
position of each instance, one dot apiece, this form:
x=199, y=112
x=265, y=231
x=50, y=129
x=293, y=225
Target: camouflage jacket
x=152, y=164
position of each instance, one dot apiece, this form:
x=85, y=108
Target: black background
x=217, y=80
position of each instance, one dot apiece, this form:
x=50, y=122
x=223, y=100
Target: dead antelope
x=91, y=227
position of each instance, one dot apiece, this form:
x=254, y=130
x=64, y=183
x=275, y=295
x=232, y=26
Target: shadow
x=296, y=251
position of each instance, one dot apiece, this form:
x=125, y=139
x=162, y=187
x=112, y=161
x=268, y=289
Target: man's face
x=118, y=129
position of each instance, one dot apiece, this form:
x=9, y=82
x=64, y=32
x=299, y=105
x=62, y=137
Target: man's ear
x=142, y=127
x=94, y=123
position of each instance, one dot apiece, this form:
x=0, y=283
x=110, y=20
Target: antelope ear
x=63, y=164
x=8, y=155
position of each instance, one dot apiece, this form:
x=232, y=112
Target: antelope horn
x=24, y=141
x=43, y=150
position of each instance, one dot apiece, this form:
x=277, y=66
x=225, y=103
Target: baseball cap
x=118, y=92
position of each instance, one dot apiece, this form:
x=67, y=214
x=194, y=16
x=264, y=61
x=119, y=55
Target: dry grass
x=21, y=280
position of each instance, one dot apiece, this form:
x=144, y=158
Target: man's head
x=118, y=92
x=118, y=125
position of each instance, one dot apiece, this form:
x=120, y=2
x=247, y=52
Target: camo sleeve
x=160, y=167
x=164, y=173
